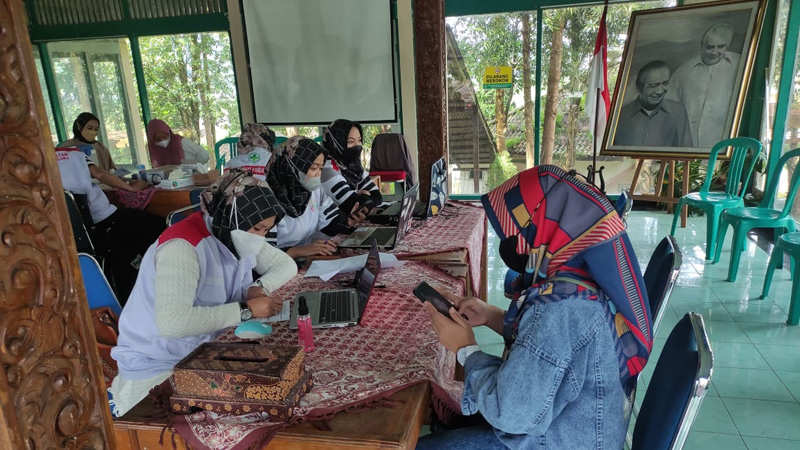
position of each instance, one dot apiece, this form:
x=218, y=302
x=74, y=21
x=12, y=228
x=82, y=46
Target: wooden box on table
x=239, y=378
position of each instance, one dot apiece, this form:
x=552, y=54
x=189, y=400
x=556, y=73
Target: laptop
x=436, y=200
x=386, y=237
x=338, y=308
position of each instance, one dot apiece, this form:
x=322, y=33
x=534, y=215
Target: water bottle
x=142, y=172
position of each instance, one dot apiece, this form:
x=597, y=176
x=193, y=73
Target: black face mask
x=509, y=255
x=352, y=154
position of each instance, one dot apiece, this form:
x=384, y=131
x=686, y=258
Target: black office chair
x=676, y=390
x=660, y=276
x=81, y=221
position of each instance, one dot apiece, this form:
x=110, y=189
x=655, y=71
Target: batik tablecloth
x=460, y=226
x=130, y=200
x=393, y=347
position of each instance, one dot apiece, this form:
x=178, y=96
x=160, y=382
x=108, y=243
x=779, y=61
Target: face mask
x=163, y=143
x=352, y=154
x=311, y=184
x=509, y=255
x=246, y=244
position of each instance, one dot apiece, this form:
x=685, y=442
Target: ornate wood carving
x=430, y=55
x=51, y=390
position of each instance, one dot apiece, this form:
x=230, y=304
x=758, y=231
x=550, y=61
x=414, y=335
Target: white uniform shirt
x=255, y=161
x=73, y=165
x=193, y=153
x=294, y=231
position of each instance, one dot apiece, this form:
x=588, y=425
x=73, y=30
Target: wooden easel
x=667, y=197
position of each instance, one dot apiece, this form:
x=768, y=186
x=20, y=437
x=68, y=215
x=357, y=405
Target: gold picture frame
x=683, y=79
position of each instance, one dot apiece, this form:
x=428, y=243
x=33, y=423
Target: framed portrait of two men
x=683, y=79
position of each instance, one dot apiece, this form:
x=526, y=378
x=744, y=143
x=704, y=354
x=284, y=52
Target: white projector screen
x=314, y=61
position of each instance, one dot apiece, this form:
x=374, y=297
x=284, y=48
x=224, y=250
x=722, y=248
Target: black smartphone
x=426, y=293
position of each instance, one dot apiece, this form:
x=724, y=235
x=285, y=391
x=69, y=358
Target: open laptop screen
x=438, y=187
x=368, y=275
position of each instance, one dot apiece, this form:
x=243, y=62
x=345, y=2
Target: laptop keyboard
x=382, y=235
x=335, y=307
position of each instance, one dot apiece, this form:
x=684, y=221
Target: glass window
x=97, y=76
x=488, y=132
x=773, y=82
x=48, y=107
x=190, y=85
x=487, y=127
x=791, y=136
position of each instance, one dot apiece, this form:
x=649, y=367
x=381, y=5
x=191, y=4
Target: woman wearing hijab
x=255, y=150
x=576, y=337
x=197, y=280
x=168, y=148
x=343, y=177
x=84, y=134
x=312, y=216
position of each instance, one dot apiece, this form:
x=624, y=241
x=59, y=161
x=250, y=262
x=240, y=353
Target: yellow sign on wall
x=499, y=77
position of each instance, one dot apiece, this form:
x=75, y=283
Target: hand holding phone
x=426, y=293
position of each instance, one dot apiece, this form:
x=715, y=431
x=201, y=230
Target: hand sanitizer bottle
x=304, y=326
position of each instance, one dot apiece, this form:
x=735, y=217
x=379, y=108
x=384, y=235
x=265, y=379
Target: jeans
x=472, y=438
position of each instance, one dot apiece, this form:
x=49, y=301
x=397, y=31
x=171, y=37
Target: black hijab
x=335, y=141
x=293, y=159
x=80, y=122
x=238, y=201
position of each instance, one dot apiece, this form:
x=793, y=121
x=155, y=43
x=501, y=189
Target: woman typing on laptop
x=311, y=217
x=196, y=280
x=577, y=331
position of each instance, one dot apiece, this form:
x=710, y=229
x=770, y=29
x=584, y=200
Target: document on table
x=326, y=269
x=284, y=315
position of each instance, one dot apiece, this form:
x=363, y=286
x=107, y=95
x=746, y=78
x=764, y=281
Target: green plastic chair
x=788, y=242
x=762, y=216
x=230, y=143
x=714, y=202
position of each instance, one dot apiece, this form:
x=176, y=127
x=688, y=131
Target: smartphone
x=426, y=293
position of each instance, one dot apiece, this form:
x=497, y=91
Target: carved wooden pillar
x=430, y=57
x=52, y=393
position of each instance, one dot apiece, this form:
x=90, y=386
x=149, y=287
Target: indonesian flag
x=598, y=79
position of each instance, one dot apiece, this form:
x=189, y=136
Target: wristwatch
x=245, y=312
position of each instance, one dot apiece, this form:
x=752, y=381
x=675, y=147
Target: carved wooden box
x=238, y=378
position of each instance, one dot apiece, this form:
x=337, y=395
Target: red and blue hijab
x=570, y=230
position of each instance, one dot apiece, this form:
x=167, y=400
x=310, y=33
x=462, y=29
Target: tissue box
x=176, y=184
x=236, y=378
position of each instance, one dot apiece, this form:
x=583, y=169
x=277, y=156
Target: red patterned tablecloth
x=130, y=200
x=460, y=226
x=393, y=347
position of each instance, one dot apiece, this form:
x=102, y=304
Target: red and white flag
x=598, y=80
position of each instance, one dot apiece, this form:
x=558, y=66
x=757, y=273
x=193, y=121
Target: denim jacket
x=560, y=386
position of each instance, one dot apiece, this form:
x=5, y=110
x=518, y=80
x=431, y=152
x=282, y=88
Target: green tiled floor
x=753, y=401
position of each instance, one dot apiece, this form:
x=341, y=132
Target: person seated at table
x=168, y=148
x=121, y=236
x=576, y=336
x=343, y=177
x=255, y=150
x=312, y=218
x=85, y=129
x=197, y=280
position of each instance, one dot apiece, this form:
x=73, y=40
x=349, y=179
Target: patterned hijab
x=570, y=230
x=292, y=160
x=80, y=122
x=238, y=201
x=160, y=156
x=334, y=139
x=255, y=135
